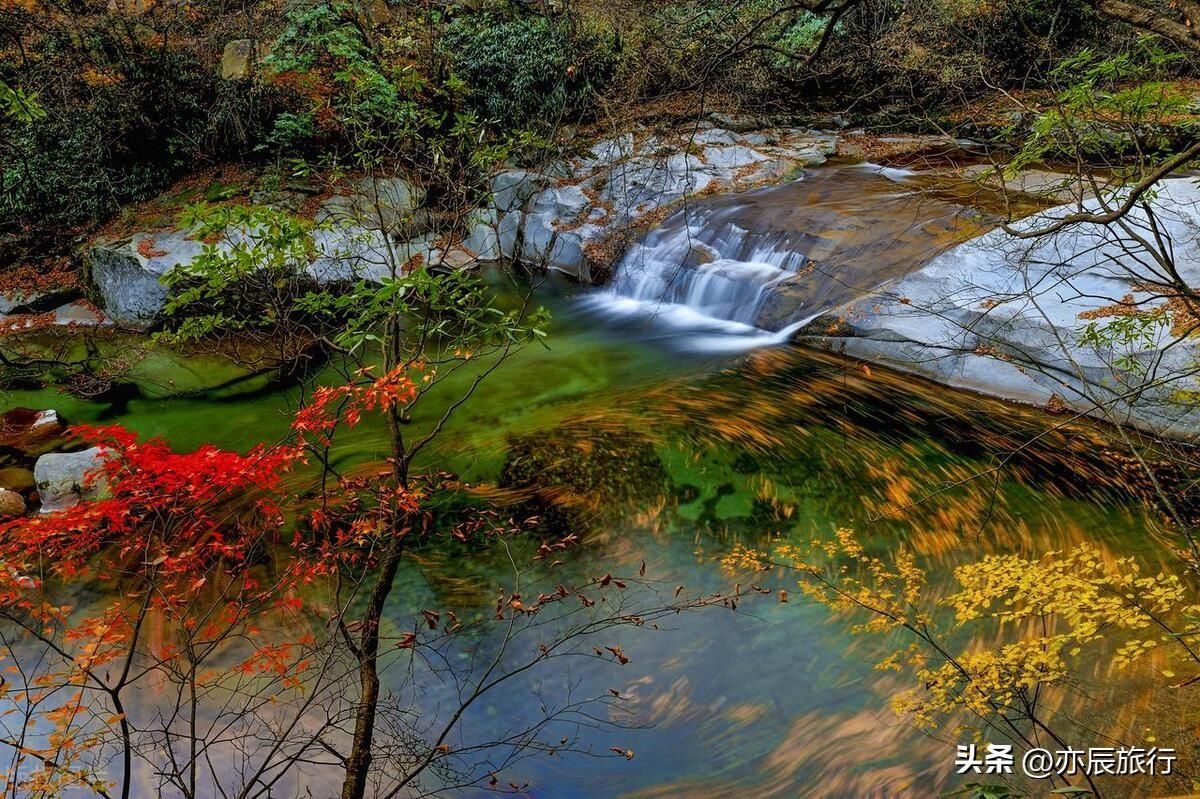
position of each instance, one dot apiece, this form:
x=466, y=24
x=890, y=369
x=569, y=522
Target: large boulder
x=1010, y=317
x=128, y=274
x=388, y=204
x=64, y=478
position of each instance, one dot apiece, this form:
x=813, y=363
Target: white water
x=702, y=274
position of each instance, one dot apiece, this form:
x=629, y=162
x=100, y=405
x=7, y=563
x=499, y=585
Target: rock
x=346, y=254
x=11, y=504
x=17, y=478
x=716, y=136
x=512, y=189
x=128, y=274
x=483, y=239
x=609, y=151
x=79, y=314
x=237, y=60
x=555, y=231
x=1042, y=184
x=386, y=204
x=733, y=157
x=739, y=123
x=1007, y=317
x=640, y=185
x=507, y=233
x=30, y=432
x=63, y=478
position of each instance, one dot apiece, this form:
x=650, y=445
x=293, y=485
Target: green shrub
x=100, y=142
x=527, y=70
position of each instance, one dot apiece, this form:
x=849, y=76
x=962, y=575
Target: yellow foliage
x=1073, y=597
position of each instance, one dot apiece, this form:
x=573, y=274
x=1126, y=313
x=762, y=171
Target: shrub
x=526, y=70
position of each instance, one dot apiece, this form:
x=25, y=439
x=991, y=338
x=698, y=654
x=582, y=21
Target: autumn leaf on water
x=625, y=753
x=618, y=654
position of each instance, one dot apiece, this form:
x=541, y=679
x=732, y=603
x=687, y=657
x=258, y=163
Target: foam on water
x=704, y=277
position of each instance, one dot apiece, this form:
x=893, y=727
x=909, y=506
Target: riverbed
x=675, y=441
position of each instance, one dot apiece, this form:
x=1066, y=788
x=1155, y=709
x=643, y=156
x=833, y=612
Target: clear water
x=775, y=699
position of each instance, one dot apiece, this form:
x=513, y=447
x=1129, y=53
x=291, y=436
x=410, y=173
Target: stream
x=745, y=440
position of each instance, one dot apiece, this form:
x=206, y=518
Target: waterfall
x=704, y=274
x=747, y=270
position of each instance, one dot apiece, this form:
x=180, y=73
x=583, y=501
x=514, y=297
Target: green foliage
x=455, y=307
x=1107, y=105
x=247, y=279
x=526, y=70
x=20, y=105
x=114, y=130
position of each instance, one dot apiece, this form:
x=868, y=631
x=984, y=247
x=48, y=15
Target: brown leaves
x=621, y=657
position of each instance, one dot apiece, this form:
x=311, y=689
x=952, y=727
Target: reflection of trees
x=584, y=473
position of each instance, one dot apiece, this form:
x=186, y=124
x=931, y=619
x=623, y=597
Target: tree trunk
x=358, y=764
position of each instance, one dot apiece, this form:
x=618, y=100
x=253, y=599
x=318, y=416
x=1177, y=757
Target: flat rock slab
x=1009, y=317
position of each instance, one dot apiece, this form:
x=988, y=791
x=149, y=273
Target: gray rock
x=555, y=231
x=63, y=478
x=483, y=239
x=733, y=157
x=610, y=151
x=346, y=254
x=1007, y=317
x=507, y=233
x=128, y=274
x=79, y=314
x=386, y=204
x=512, y=189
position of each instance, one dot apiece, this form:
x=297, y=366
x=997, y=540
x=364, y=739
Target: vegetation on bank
x=104, y=104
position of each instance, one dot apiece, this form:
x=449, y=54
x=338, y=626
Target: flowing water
x=745, y=270
x=774, y=699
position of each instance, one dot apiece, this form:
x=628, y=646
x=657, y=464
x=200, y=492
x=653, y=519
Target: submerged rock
x=64, y=478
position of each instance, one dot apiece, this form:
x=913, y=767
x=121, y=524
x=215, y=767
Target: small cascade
x=740, y=271
x=701, y=272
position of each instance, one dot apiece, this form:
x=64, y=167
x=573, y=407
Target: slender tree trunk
x=358, y=763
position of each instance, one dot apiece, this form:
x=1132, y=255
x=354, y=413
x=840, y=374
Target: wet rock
x=128, y=274
x=63, y=478
x=11, y=504
x=30, y=432
x=17, y=478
